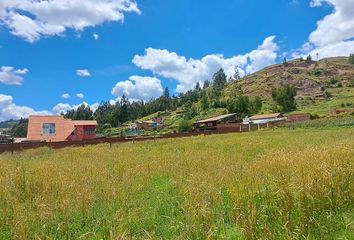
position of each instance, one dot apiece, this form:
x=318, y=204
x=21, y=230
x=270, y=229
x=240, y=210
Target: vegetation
x=192, y=105
x=185, y=126
x=351, y=58
x=83, y=112
x=284, y=99
x=280, y=184
x=19, y=128
x=324, y=123
x=8, y=124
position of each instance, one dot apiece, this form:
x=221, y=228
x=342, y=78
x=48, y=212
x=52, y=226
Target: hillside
x=311, y=78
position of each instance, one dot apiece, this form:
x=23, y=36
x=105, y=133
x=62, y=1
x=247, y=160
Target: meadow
x=273, y=184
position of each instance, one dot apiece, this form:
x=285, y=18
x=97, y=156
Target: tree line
x=200, y=98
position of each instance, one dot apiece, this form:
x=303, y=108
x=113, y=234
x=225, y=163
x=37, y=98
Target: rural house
x=57, y=129
x=212, y=123
x=299, y=117
x=148, y=125
x=265, y=118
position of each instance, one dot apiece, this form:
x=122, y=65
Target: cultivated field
x=276, y=184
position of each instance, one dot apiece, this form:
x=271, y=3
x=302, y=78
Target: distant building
x=299, y=117
x=343, y=111
x=5, y=138
x=148, y=125
x=212, y=123
x=57, y=129
x=264, y=118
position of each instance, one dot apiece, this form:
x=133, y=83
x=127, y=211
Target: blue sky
x=158, y=43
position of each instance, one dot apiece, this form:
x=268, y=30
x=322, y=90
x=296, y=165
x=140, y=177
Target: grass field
x=277, y=184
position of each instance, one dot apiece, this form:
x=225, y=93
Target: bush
x=314, y=116
x=351, y=58
x=185, y=126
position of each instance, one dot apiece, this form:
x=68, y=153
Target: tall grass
x=325, y=123
x=263, y=185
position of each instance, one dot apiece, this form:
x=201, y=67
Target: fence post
x=249, y=127
x=12, y=146
x=259, y=127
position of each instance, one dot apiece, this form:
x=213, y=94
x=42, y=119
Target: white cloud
x=139, y=88
x=32, y=20
x=188, y=72
x=9, y=110
x=335, y=27
x=12, y=76
x=83, y=73
x=64, y=107
x=96, y=36
x=61, y=108
x=334, y=33
x=80, y=95
x=66, y=96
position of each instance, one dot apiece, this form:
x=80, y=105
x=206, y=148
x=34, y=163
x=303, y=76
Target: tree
x=219, y=82
x=256, y=105
x=240, y=105
x=19, y=129
x=236, y=76
x=284, y=98
x=309, y=58
x=185, y=126
x=285, y=62
x=351, y=58
x=165, y=99
x=197, y=87
x=124, y=109
x=83, y=112
x=206, y=84
x=204, y=102
x=166, y=92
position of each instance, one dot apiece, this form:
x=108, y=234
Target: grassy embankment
x=280, y=184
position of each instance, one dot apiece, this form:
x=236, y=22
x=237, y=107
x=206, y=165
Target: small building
x=5, y=138
x=212, y=123
x=299, y=117
x=265, y=118
x=58, y=129
x=148, y=125
x=343, y=111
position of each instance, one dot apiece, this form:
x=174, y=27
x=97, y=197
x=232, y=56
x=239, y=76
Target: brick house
x=58, y=129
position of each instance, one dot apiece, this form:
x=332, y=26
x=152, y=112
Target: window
x=90, y=131
x=49, y=128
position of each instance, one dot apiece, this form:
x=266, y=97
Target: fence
x=221, y=129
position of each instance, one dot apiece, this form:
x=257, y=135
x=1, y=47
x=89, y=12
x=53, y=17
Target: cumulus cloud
x=9, y=110
x=66, y=96
x=80, y=95
x=187, y=72
x=83, y=73
x=32, y=20
x=96, y=36
x=12, y=76
x=61, y=108
x=64, y=107
x=334, y=33
x=139, y=88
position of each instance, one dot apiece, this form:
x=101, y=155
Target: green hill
x=311, y=78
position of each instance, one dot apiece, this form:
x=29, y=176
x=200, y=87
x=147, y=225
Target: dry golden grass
x=264, y=185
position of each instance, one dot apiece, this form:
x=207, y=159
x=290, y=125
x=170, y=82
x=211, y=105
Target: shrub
x=185, y=126
x=351, y=58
